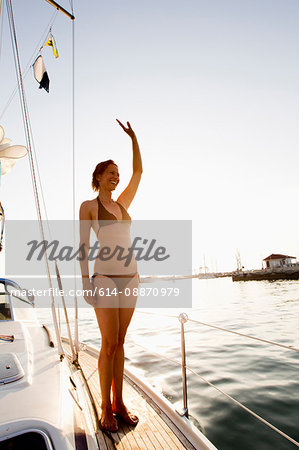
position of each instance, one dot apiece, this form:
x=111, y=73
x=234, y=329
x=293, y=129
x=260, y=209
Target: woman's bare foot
x=120, y=410
x=108, y=421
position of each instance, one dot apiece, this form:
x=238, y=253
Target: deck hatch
x=10, y=368
x=33, y=440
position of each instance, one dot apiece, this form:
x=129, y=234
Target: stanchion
x=184, y=412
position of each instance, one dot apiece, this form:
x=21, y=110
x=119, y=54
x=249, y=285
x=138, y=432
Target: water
x=261, y=376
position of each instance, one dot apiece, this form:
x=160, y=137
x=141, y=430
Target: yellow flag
x=51, y=43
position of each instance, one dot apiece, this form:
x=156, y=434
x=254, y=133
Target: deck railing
x=183, y=318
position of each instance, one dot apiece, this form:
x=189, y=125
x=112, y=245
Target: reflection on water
x=263, y=377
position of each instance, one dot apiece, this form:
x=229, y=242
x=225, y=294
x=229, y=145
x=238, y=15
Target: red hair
x=99, y=170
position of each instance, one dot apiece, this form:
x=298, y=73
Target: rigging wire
x=74, y=355
x=30, y=139
x=40, y=44
x=236, y=402
x=74, y=184
x=30, y=142
x=43, y=199
x=1, y=29
x=31, y=160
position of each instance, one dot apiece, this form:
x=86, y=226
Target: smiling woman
x=101, y=170
x=114, y=309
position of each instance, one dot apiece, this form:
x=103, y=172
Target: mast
x=60, y=8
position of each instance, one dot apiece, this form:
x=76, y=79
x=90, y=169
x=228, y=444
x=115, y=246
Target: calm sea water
x=261, y=376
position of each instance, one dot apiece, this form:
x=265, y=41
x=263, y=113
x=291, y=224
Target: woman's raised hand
x=128, y=130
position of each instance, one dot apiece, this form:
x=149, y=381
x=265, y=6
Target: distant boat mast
x=239, y=262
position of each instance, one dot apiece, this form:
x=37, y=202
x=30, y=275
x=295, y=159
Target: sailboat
x=49, y=389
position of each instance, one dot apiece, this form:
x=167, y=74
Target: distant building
x=276, y=260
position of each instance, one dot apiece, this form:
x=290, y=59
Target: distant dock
x=208, y=275
x=275, y=267
x=279, y=273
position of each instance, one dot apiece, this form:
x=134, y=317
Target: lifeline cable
x=246, y=335
x=290, y=439
x=226, y=330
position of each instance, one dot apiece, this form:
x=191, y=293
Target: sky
x=211, y=90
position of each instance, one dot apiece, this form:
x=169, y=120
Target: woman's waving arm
x=126, y=197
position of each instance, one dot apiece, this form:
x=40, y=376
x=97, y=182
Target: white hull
x=47, y=394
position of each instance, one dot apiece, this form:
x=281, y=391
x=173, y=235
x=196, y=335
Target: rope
x=32, y=168
x=293, y=441
x=7, y=338
x=59, y=320
x=2, y=215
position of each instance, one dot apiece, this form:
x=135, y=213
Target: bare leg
x=108, y=320
x=125, y=316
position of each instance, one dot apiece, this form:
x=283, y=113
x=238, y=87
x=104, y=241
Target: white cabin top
x=278, y=260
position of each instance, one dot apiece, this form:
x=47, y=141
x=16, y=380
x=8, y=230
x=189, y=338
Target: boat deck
x=153, y=430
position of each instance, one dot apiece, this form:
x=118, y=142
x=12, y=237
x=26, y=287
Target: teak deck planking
x=153, y=430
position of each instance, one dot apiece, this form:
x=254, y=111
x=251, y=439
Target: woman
x=116, y=284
